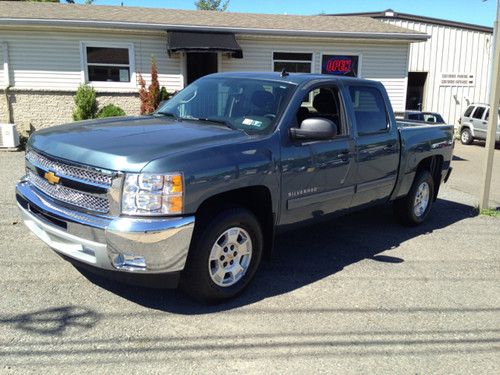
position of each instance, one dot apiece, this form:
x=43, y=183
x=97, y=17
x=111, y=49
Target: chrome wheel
x=422, y=198
x=230, y=257
x=465, y=137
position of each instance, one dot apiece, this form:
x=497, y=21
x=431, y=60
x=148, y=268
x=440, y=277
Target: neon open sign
x=340, y=65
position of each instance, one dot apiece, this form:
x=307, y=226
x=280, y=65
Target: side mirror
x=314, y=129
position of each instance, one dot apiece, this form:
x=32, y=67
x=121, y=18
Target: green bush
x=110, y=110
x=86, y=103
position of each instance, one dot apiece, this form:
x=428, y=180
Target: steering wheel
x=270, y=116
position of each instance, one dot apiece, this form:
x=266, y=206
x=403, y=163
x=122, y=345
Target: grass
x=490, y=212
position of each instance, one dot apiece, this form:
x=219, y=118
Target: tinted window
x=415, y=116
x=369, y=110
x=478, y=113
x=469, y=111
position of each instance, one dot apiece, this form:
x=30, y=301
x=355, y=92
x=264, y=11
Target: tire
x=422, y=189
x=213, y=279
x=466, y=136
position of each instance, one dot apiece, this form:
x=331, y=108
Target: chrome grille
x=70, y=196
x=82, y=174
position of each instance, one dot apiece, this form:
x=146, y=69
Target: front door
x=199, y=64
x=317, y=176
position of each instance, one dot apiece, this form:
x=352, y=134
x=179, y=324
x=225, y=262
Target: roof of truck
x=295, y=78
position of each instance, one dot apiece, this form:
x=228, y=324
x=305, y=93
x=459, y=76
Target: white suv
x=474, y=123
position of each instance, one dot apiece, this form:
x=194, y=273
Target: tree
x=217, y=5
x=150, y=97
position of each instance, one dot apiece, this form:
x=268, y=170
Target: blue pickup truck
x=193, y=194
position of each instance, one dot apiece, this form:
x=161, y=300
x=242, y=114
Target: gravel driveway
x=359, y=294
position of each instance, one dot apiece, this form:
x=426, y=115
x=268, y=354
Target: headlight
x=152, y=194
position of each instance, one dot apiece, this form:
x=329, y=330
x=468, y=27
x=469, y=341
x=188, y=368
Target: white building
x=447, y=72
x=49, y=49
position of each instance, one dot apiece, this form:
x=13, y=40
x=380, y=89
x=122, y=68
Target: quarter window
x=292, y=62
x=369, y=110
x=478, y=113
x=108, y=64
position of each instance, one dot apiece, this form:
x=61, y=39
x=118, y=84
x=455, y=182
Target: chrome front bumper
x=130, y=245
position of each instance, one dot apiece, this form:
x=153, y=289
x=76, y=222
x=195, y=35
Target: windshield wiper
x=169, y=114
x=215, y=121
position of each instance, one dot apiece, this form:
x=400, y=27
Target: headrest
x=324, y=102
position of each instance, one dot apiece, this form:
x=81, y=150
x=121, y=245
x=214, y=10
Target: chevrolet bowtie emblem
x=51, y=178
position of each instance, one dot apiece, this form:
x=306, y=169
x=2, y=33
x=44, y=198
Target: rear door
x=479, y=123
x=377, y=143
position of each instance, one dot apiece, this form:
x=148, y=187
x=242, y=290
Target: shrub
x=164, y=95
x=86, y=104
x=110, y=110
x=150, y=97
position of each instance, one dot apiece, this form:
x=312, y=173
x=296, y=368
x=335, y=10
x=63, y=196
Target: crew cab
x=193, y=194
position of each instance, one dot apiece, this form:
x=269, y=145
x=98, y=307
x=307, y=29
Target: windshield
x=246, y=104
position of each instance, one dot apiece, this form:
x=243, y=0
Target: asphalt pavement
x=358, y=294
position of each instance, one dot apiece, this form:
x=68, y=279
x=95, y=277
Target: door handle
x=344, y=155
x=389, y=147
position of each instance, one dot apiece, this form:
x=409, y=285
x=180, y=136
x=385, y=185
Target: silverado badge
x=51, y=178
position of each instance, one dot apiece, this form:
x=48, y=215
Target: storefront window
x=292, y=62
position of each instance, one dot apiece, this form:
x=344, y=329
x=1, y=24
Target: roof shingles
x=31, y=11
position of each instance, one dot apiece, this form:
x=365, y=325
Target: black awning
x=188, y=41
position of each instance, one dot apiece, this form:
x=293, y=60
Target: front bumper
x=127, y=245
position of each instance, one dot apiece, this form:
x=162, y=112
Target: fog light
x=129, y=262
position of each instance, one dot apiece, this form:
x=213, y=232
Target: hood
x=128, y=143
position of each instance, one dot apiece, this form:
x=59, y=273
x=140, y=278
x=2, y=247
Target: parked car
x=427, y=117
x=474, y=123
x=195, y=193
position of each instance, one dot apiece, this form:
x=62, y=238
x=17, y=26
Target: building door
x=415, y=92
x=200, y=64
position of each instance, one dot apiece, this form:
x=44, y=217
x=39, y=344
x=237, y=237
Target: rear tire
x=224, y=256
x=466, y=136
x=413, y=209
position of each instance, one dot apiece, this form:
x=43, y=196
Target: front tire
x=224, y=256
x=466, y=136
x=413, y=209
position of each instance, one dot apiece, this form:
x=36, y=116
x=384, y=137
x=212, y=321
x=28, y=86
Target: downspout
x=6, y=81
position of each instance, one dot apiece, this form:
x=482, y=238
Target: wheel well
x=433, y=164
x=256, y=199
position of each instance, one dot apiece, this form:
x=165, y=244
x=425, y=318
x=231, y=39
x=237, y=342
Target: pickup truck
x=193, y=194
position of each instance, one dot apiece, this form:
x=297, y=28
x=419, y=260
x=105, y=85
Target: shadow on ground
x=304, y=256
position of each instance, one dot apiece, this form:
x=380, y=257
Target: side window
x=478, y=113
x=323, y=102
x=430, y=118
x=469, y=110
x=369, y=110
x=415, y=117
x=487, y=115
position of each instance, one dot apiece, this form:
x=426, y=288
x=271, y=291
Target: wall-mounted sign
x=457, y=79
x=340, y=65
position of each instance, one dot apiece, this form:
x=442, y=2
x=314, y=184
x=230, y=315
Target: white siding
x=450, y=50
x=385, y=62
x=2, y=77
x=47, y=60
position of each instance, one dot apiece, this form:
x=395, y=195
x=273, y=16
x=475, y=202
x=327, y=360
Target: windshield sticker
x=250, y=122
